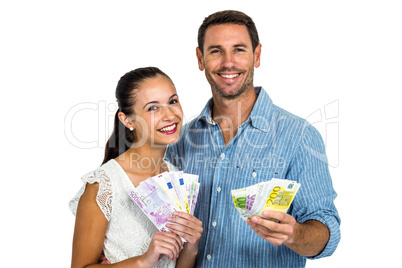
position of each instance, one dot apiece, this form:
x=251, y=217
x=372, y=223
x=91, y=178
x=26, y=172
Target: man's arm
x=307, y=239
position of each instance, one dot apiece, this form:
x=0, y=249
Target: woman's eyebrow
x=156, y=102
x=150, y=103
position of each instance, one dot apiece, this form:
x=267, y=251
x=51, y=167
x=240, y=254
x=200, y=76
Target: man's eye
x=215, y=51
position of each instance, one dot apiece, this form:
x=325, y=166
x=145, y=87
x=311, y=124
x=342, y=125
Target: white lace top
x=129, y=231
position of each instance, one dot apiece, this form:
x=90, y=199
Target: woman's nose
x=168, y=113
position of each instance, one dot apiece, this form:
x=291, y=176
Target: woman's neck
x=143, y=162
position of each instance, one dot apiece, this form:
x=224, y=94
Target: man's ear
x=200, y=59
x=257, y=56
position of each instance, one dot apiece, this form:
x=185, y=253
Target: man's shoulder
x=197, y=122
x=285, y=120
x=281, y=112
x=297, y=125
x=289, y=126
x=266, y=115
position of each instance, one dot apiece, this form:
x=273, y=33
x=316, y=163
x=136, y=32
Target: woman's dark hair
x=122, y=138
x=228, y=17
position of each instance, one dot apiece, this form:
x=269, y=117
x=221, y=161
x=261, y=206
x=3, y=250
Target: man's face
x=228, y=60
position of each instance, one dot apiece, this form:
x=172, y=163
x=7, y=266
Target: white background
x=54, y=55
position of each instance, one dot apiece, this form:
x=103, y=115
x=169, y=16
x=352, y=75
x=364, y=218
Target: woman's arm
x=89, y=236
x=90, y=229
x=89, y=232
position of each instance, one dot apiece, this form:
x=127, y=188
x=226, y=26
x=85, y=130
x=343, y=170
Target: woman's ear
x=126, y=121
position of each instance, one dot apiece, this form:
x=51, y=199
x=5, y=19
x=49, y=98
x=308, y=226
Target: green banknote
x=276, y=194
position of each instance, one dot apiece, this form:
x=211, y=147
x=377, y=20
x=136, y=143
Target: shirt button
x=218, y=189
x=254, y=174
x=214, y=223
x=222, y=156
x=209, y=257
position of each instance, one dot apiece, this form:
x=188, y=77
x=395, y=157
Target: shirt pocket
x=245, y=177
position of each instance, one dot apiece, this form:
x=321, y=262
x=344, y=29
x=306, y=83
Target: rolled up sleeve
x=315, y=199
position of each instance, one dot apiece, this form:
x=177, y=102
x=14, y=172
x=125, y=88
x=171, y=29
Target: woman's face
x=158, y=114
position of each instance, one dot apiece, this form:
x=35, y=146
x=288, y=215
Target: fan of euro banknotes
x=276, y=194
x=159, y=196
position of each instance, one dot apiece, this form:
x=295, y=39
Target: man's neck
x=231, y=113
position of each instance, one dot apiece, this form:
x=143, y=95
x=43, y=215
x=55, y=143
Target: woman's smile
x=168, y=130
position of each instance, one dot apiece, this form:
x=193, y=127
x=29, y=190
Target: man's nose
x=228, y=60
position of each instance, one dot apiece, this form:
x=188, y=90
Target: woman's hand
x=162, y=243
x=188, y=227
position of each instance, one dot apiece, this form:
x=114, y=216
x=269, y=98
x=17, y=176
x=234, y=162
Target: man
x=241, y=138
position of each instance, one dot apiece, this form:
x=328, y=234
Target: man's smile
x=229, y=76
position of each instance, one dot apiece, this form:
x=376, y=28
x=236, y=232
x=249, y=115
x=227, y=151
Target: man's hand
x=277, y=233
x=307, y=239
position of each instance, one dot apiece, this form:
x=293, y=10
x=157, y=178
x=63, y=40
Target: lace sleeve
x=104, y=196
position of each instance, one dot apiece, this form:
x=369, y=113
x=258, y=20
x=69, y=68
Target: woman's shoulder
x=105, y=172
x=104, y=177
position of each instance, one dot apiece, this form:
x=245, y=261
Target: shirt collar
x=262, y=111
x=259, y=116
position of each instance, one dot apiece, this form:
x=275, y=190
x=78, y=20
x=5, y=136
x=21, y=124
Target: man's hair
x=228, y=17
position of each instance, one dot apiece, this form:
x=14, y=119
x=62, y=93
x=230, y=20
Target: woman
x=148, y=119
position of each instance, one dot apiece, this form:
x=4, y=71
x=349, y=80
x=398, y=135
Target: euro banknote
x=276, y=194
x=159, y=196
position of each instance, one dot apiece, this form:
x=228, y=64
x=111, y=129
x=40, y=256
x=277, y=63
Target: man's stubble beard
x=238, y=92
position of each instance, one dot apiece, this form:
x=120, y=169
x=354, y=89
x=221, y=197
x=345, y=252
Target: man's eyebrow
x=220, y=47
x=240, y=45
x=214, y=46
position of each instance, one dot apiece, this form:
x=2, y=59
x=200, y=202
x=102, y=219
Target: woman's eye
x=174, y=101
x=153, y=108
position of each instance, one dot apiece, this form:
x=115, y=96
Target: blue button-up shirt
x=271, y=143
